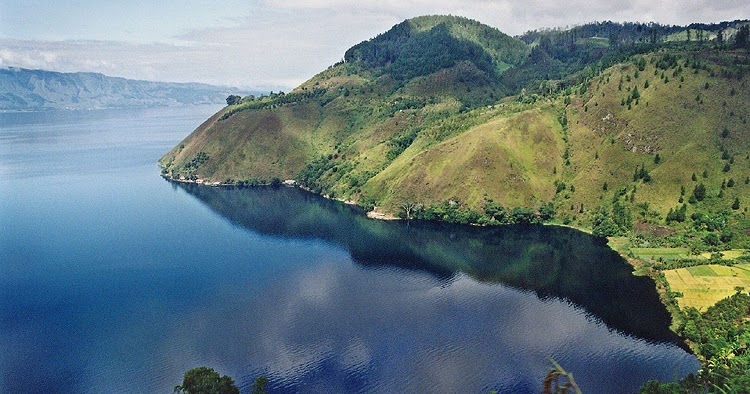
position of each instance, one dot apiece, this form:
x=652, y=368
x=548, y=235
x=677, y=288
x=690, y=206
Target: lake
x=115, y=280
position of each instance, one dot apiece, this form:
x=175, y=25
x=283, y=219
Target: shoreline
x=637, y=265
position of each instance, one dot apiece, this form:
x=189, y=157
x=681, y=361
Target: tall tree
x=742, y=39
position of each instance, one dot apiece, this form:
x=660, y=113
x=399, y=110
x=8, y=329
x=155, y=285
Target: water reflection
x=426, y=314
x=551, y=261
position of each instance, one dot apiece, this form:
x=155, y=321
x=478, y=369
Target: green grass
x=508, y=158
x=683, y=35
x=701, y=270
x=509, y=152
x=596, y=42
x=665, y=254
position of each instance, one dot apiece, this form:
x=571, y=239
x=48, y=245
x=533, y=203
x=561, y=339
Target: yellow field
x=704, y=285
x=727, y=254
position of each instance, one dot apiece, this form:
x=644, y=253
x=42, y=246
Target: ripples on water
x=114, y=280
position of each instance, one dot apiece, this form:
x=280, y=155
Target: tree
x=742, y=38
x=408, y=208
x=495, y=211
x=520, y=215
x=547, y=212
x=736, y=203
x=259, y=385
x=712, y=239
x=204, y=380
x=699, y=192
x=677, y=215
x=642, y=173
x=602, y=223
x=559, y=381
x=233, y=99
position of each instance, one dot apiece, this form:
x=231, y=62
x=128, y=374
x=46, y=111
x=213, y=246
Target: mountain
x=601, y=126
x=633, y=130
x=34, y=90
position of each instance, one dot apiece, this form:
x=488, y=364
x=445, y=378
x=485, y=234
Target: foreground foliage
x=204, y=380
x=720, y=338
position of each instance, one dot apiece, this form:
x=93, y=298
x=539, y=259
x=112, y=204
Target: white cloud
x=280, y=43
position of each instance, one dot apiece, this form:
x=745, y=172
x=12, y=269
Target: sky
x=273, y=44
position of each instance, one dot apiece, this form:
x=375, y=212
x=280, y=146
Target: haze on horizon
x=273, y=44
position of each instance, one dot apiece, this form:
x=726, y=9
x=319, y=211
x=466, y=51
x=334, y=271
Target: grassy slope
x=507, y=158
x=509, y=152
x=668, y=120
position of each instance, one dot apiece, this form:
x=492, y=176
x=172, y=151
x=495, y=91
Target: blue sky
x=272, y=44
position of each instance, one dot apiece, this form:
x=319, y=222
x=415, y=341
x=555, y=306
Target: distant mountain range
x=37, y=90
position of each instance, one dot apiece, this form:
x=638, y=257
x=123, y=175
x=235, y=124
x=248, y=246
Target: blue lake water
x=114, y=280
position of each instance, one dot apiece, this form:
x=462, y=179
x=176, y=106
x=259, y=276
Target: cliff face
x=34, y=90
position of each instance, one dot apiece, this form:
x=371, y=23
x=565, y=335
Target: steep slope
x=354, y=112
x=388, y=128
x=507, y=157
x=423, y=45
x=689, y=110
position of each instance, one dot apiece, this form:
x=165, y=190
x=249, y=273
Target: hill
x=637, y=132
x=360, y=108
x=395, y=128
x=34, y=90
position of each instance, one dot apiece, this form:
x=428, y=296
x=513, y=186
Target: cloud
x=515, y=17
x=408, y=332
x=279, y=44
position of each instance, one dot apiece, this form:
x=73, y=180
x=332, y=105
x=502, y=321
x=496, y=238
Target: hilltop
x=35, y=90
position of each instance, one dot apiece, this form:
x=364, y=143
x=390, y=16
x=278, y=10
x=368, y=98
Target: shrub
x=204, y=380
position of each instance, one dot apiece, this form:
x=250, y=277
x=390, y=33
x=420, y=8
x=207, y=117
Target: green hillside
x=426, y=44
x=636, y=132
x=425, y=114
x=358, y=111
x=421, y=115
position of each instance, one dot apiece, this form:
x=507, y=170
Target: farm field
x=704, y=285
x=664, y=253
